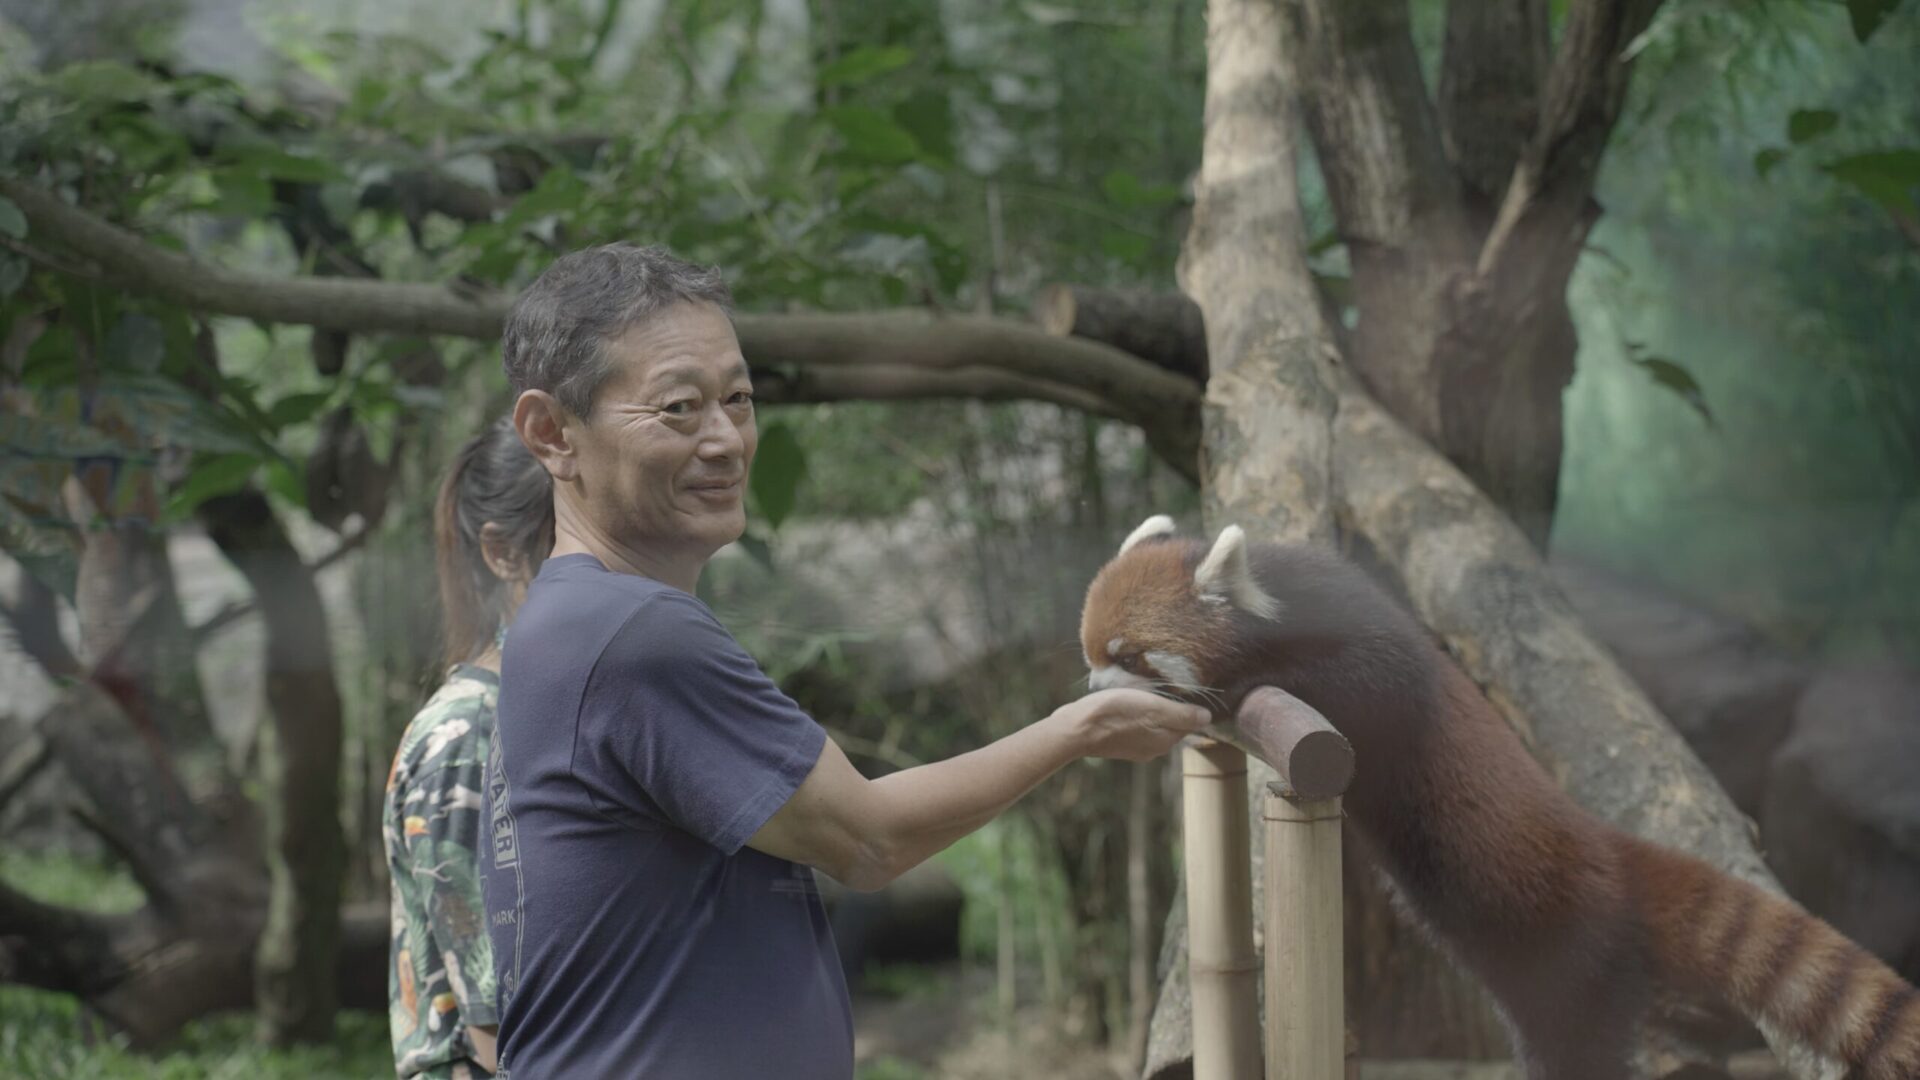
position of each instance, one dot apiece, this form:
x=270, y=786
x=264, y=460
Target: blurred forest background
x=190, y=502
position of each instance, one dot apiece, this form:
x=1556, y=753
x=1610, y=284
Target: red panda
x=1571, y=924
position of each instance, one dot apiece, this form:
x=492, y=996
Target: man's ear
x=544, y=427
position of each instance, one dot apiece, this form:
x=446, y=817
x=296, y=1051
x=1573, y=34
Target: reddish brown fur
x=1570, y=923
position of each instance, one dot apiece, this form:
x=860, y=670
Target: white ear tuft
x=1157, y=525
x=1225, y=575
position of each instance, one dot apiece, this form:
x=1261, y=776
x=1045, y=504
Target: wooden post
x=1306, y=985
x=1221, y=963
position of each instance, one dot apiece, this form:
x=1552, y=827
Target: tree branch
x=1395, y=196
x=1270, y=398
x=1585, y=89
x=1373, y=127
x=1064, y=371
x=33, y=613
x=299, y=945
x=1490, y=74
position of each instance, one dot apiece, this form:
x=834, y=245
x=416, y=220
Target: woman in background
x=493, y=524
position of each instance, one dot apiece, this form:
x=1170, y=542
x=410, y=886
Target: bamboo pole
x=1306, y=1027
x=1222, y=965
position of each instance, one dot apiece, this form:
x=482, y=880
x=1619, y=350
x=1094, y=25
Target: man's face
x=665, y=453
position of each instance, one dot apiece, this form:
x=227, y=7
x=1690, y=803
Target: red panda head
x=1160, y=615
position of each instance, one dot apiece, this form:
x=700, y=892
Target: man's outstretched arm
x=864, y=833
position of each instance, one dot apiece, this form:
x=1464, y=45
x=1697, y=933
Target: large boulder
x=1842, y=815
x=1729, y=690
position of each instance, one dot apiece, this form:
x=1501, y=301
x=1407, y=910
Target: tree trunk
x=296, y=960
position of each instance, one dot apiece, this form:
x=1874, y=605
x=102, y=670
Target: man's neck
x=572, y=536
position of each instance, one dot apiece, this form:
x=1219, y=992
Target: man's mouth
x=715, y=488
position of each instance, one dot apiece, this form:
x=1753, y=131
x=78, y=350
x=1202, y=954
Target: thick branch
x=1495, y=60
x=33, y=613
x=1030, y=363
x=1395, y=196
x=1165, y=329
x=298, y=947
x=1270, y=399
x=1373, y=127
x=1585, y=90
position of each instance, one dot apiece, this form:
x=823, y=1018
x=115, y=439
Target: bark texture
x=306, y=854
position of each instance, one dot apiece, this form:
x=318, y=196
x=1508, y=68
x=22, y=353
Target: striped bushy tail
x=1785, y=970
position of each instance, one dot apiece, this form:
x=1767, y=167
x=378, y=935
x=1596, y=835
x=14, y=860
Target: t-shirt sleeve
x=678, y=722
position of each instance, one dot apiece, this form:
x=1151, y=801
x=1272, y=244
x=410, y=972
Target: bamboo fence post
x=1306, y=986
x=1305, y=979
x=1220, y=957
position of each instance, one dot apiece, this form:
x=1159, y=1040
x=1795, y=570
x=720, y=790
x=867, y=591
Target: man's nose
x=720, y=437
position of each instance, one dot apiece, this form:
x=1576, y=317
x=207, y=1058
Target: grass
x=44, y=1036
x=72, y=882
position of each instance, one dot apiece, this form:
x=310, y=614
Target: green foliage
x=890, y=1068
x=106, y=888
x=44, y=1036
x=778, y=466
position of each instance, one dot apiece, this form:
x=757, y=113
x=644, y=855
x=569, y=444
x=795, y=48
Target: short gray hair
x=557, y=331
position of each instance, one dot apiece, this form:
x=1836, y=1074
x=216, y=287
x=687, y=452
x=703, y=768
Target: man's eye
x=741, y=397
x=678, y=408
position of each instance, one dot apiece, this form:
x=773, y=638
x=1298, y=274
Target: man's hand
x=1132, y=725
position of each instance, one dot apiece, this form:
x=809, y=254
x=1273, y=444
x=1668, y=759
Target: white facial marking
x=1117, y=646
x=1110, y=676
x=1174, y=668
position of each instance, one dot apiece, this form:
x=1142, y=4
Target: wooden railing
x=1305, y=982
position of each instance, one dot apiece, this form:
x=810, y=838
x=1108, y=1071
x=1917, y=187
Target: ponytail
x=494, y=480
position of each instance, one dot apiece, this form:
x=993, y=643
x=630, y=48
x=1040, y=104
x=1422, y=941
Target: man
x=655, y=801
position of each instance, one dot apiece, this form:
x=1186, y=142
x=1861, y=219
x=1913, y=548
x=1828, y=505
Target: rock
x=1842, y=812
x=1728, y=690
x=915, y=919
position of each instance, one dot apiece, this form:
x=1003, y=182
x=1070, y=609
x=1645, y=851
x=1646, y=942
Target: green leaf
x=1867, y=15
x=1673, y=377
x=1807, y=124
x=102, y=82
x=778, y=467
x=871, y=136
x=1125, y=246
x=283, y=481
x=242, y=194
x=1125, y=190
x=1765, y=160
x=1888, y=177
x=558, y=191
x=277, y=164
x=864, y=64
x=13, y=273
x=134, y=344
x=757, y=549
x=212, y=476
x=12, y=221
x=928, y=117
x=297, y=408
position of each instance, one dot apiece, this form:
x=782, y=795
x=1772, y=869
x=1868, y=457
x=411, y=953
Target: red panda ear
x=1225, y=575
x=1157, y=525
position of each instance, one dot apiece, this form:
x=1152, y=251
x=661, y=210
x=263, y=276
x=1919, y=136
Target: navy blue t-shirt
x=634, y=934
